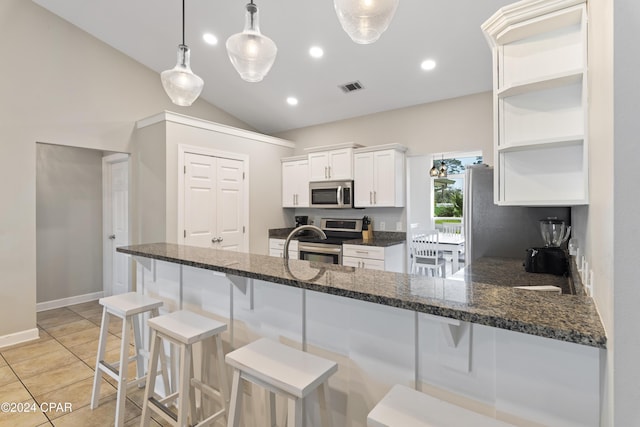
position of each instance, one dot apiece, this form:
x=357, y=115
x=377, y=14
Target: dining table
x=454, y=243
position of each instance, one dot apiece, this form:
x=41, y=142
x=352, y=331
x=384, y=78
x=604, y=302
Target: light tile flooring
x=58, y=368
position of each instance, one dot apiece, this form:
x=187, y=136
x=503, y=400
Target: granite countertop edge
x=490, y=315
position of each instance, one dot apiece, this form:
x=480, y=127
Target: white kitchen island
x=492, y=349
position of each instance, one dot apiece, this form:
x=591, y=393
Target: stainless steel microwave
x=331, y=194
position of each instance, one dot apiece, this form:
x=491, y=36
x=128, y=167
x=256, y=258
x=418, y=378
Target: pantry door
x=214, y=202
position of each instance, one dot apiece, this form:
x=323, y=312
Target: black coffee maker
x=301, y=220
x=552, y=258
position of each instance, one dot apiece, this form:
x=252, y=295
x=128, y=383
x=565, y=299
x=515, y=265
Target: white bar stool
x=126, y=307
x=283, y=370
x=184, y=328
x=405, y=407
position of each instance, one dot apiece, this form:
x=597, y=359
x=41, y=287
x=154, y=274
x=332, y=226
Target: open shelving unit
x=540, y=102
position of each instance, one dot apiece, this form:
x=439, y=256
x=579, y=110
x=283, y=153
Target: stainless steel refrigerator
x=499, y=231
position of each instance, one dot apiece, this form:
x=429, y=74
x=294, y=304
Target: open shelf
x=547, y=173
x=544, y=83
x=540, y=98
x=539, y=143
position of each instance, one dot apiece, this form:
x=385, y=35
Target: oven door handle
x=318, y=249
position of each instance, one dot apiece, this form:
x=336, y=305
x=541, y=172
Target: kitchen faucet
x=295, y=231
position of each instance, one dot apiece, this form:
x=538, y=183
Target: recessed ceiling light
x=292, y=100
x=316, y=52
x=428, y=64
x=210, y=38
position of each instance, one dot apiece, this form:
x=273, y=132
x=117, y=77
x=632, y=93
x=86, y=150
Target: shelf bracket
x=450, y=328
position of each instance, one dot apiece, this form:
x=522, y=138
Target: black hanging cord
x=252, y=11
x=183, y=21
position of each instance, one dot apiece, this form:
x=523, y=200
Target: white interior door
x=214, y=202
x=230, y=214
x=200, y=200
x=117, y=266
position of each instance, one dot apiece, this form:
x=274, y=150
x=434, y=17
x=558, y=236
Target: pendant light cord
x=252, y=12
x=183, y=22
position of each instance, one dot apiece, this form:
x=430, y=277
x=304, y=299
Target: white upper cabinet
x=379, y=176
x=331, y=163
x=295, y=182
x=540, y=103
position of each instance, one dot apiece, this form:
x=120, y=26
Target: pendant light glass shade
x=365, y=20
x=182, y=86
x=433, y=172
x=442, y=172
x=251, y=53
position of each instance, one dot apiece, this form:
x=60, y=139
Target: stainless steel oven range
x=329, y=250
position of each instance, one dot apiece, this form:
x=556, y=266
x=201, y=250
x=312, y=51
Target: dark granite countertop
x=481, y=293
x=380, y=238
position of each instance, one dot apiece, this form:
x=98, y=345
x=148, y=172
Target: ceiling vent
x=351, y=87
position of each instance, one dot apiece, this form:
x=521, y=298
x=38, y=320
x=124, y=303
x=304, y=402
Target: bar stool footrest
x=159, y=405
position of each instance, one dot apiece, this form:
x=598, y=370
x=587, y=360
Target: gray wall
x=626, y=232
x=452, y=125
x=68, y=221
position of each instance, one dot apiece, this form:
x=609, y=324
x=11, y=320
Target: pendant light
x=365, y=20
x=251, y=53
x=439, y=172
x=442, y=172
x=182, y=86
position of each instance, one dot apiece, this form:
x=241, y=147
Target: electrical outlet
x=399, y=226
x=382, y=226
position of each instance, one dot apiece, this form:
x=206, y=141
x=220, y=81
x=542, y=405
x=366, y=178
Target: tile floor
x=58, y=368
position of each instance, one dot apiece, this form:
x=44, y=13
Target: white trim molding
x=65, y=302
x=169, y=116
x=19, y=337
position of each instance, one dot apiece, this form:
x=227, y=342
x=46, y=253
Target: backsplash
x=383, y=219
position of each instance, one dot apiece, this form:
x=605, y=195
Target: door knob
x=112, y=236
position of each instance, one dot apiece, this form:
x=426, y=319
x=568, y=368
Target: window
x=448, y=192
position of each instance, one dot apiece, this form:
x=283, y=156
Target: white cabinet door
x=389, y=258
x=276, y=248
x=331, y=165
x=379, y=178
x=319, y=166
x=384, y=178
x=214, y=202
x=371, y=264
x=341, y=164
x=295, y=184
x=363, y=176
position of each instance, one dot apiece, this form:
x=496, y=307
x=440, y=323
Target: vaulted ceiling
x=447, y=31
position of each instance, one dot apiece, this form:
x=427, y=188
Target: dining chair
x=453, y=228
x=425, y=254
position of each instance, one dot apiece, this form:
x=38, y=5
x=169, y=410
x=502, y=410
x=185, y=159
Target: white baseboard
x=64, y=302
x=19, y=337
